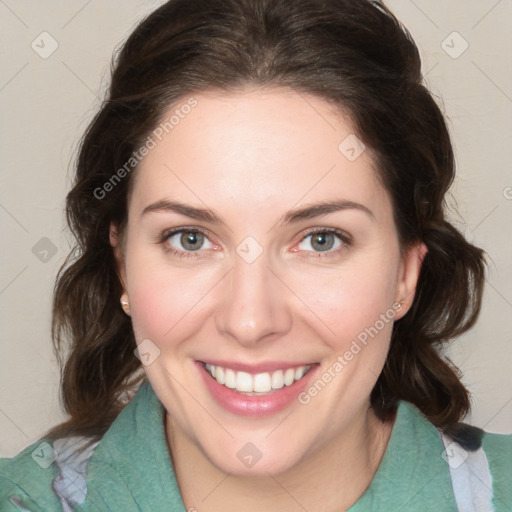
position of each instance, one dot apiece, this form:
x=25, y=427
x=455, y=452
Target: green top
x=130, y=469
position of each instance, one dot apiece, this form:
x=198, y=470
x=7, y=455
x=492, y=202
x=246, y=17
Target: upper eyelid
x=166, y=233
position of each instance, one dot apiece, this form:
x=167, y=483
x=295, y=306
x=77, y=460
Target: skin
x=251, y=157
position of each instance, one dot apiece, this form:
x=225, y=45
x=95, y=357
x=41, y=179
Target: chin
x=274, y=464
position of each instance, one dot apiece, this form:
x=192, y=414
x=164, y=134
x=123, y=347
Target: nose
x=255, y=304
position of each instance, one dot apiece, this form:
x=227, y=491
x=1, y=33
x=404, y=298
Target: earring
x=401, y=304
x=125, y=304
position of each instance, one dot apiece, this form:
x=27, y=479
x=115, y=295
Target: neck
x=332, y=479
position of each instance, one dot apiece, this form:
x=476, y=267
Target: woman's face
x=221, y=267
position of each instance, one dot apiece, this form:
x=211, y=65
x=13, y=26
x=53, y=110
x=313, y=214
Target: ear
x=115, y=242
x=408, y=277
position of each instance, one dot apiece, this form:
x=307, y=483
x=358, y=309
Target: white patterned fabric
x=471, y=477
x=71, y=483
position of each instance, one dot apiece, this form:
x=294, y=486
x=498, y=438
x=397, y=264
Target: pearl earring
x=125, y=305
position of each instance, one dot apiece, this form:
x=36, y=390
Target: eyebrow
x=291, y=217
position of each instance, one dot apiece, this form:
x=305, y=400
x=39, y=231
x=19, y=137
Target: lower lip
x=254, y=406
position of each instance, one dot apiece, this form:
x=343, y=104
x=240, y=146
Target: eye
x=323, y=240
x=183, y=242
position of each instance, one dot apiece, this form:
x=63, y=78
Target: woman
x=264, y=278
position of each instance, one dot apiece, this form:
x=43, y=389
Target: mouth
x=256, y=393
x=258, y=384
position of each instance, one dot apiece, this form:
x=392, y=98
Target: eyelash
x=344, y=238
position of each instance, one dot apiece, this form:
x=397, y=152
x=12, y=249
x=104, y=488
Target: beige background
x=47, y=102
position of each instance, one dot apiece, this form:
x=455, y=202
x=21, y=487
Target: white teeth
x=243, y=382
x=299, y=373
x=260, y=383
x=219, y=374
x=289, y=376
x=277, y=379
x=230, y=379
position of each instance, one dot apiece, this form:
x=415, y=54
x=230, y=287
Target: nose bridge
x=254, y=304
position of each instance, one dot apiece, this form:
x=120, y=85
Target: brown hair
x=355, y=55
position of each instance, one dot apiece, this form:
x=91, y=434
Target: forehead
x=273, y=148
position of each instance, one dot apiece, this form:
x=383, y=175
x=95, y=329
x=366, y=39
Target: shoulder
x=477, y=464
x=498, y=449
x=45, y=474
x=26, y=479
x=80, y=472
x=481, y=463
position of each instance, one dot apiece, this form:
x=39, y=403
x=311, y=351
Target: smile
x=249, y=391
x=257, y=384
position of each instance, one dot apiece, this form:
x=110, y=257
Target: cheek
x=155, y=308
x=351, y=299
x=164, y=300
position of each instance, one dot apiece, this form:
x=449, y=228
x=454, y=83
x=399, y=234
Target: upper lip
x=256, y=368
